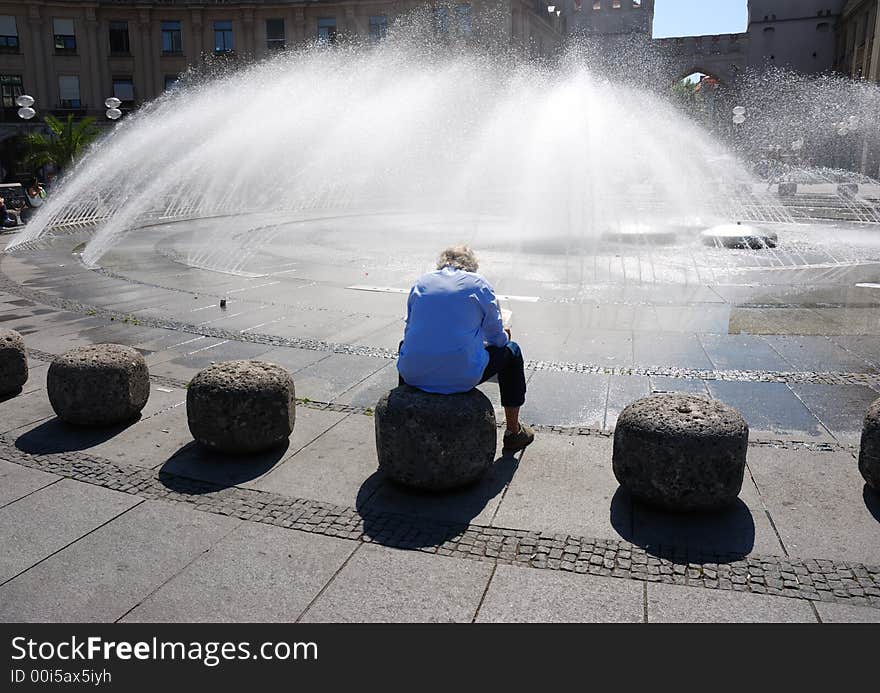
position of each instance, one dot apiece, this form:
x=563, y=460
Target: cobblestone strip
x=810, y=579
x=792, y=377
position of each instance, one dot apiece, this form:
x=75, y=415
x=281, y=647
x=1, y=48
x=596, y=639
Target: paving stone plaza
x=137, y=522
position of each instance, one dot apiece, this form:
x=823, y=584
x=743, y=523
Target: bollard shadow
x=872, y=501
x=194, y=469
x=55, y=436
x=11, y=395
x=404, y=518
x=719, y=536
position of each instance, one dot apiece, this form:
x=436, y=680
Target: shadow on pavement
x=721, y=536
x=10, y=395
x=54, y=436
x=195, y=470
x=406, y=519
x=872, y=501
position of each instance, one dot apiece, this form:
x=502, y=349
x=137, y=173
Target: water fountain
x=365, y=160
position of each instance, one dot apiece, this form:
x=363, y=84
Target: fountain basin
x=741, y=236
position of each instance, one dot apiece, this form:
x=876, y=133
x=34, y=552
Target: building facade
x=794, y=34
x=858, y=50
x=71, y=55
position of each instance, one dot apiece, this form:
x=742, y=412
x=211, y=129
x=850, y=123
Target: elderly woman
x=455, y=339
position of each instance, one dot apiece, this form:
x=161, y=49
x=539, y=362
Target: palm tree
x=64, y=146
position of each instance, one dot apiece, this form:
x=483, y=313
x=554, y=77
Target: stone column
x=247, y=25
x=874, y=65
x=143, y=59
x=40, y=88
x=94, y=62
x=300, y=25
x=197, y=37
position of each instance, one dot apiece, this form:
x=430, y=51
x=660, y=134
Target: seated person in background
x=8, y=216
x=35, y=193
x=455, y=339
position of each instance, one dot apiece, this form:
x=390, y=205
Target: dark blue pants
x=507, y=363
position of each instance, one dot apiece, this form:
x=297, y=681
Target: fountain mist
x=555, y=150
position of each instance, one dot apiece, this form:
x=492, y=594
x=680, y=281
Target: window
x=326, y=29
x=119, y=38
x=172, y=82
x=223, y=37
x=615, y=4
x=123, y=89
x=637, y=4
x=823, y=27
x=441, y=20
x=171, y=37
x=68, y=91
x=465, y=19
x=378, y=27
x=10, y=89
x=8, y=34
x=597, y=5
x=65, y=36
x=275, y=34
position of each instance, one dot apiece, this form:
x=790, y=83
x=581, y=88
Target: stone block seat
x=433, y=442
x=241, y=407
x=681, y=452
x=869, y=451
x=98, y=385
x=13, y=362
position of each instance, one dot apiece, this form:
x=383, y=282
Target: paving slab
x=43, y=522
x=771, y=410
x=258, y=573
x=526, y=595
x=670, y=349
x=379, y=584
x=368, y=392
x=293, y=359
x=566, y=399
x=327, y=379
x=814, y=353
x=107, y=573
x=681, y=604
x=623, y=390
x=742, y=352
x=333, y=467
x=474, y=504
x=17, y=481
x=845, y=613
x=689, y=386
x=24, y=410
x=565, y=485
x=840, y=408
x=818, y=503
x=149, y=442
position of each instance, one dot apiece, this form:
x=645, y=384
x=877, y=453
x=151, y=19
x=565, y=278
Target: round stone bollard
x=435, y=442
x=241, y=407
x=13, y=362
x=98, y=385
x=681, y=452
x=869, y=451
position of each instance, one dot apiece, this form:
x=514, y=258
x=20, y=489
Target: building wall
x=610, y=17
x=858, y=50
x=796, y=34
x=39, y=65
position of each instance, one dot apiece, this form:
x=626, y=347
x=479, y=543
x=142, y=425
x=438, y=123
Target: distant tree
x=66, y=143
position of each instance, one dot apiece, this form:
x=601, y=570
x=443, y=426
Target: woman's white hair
x=458, y=257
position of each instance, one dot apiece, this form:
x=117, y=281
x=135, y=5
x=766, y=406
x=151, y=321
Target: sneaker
x=514, y=442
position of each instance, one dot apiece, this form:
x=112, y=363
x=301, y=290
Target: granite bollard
x=869, y=450
x=435, y=442
x=681, y=452
x=13, y=362
x=98, y=385
x=241, y=407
